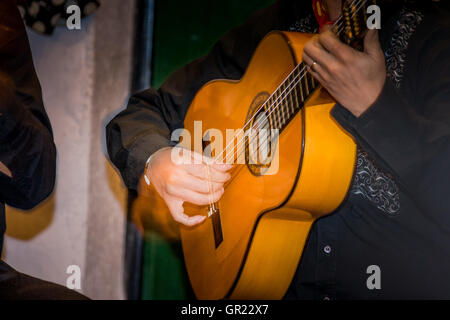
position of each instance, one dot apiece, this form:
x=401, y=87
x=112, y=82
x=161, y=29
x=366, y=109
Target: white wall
x=85, y=76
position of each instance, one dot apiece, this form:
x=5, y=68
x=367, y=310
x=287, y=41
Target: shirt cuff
x=139, y=154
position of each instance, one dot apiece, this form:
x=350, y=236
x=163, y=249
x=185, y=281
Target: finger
x=335, y=47
x=318, y=53
x=307, y=59
x=201, y=199
x=313, y=65
x=315, y=70
x=199, y=185
x=326, y=27
x=180, y=155
x=176, y=208
x=223, y=167
x=197, y=157
x=202, y=172
x=372, y=44
x=197, y=198
x=202, y=159
x=216, y=165
x=318, y=77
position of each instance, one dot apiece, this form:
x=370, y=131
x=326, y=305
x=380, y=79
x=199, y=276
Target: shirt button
x=327, y=249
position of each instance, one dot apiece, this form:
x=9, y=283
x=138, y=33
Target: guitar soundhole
x=260, y=142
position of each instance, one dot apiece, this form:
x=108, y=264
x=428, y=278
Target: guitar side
x=265, y=220
x=323, y=179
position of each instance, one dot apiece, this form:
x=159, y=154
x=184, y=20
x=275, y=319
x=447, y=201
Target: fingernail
x=226, y=166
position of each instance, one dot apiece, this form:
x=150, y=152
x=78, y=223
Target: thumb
x=372, y=43
x=176, y=208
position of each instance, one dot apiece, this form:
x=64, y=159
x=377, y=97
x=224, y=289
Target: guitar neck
x=292, y=94
x=352, y=25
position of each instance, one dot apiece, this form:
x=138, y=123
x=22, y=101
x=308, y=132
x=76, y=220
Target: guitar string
x=361, y=3
x=211, y=203
x=237, y=147
x=338, y=24
x=294, y=86
x=282, y=98
x=274, y=104
x=260, y=108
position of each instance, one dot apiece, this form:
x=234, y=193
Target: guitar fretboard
x=290, y=97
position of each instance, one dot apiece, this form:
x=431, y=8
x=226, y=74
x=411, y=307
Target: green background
x=183, y=31
x=186, y=30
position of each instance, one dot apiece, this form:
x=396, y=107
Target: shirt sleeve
x=150, y=117
x=26, y=142
x=407, y=130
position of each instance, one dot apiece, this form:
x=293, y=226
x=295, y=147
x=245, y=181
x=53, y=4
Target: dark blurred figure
x=27, y=151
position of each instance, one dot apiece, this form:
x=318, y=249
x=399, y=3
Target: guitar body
x=265, y=219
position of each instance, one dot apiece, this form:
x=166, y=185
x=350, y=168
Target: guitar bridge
x=214, y=214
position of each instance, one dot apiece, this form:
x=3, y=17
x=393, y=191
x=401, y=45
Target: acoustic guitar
x=251, y=243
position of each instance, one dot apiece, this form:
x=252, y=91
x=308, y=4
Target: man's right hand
x=177, y=183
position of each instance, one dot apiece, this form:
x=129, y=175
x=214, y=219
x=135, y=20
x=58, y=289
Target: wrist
x=371, y=101
x=148, y=165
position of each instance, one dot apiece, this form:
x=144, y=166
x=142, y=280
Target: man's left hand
x=354, y=79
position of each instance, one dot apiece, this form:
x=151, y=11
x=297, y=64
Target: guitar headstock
x=353, y=26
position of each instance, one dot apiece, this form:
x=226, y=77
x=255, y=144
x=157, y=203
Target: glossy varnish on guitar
x=250, y=245
x=265, y=219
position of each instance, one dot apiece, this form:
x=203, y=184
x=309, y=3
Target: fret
x=289, y=97
x=274, y=110
x=302, y=91
x=305, y=80
x=292, y=92
x=302, y=94
x=308, y=81
x=271, y=113
x=267, y=111
x=313, y=82
x=299, y=86
x=286, y=109
x=297, y=104
x=280, y=103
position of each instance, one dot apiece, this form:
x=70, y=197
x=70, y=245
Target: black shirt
x=26, y=142
x=396, y=217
